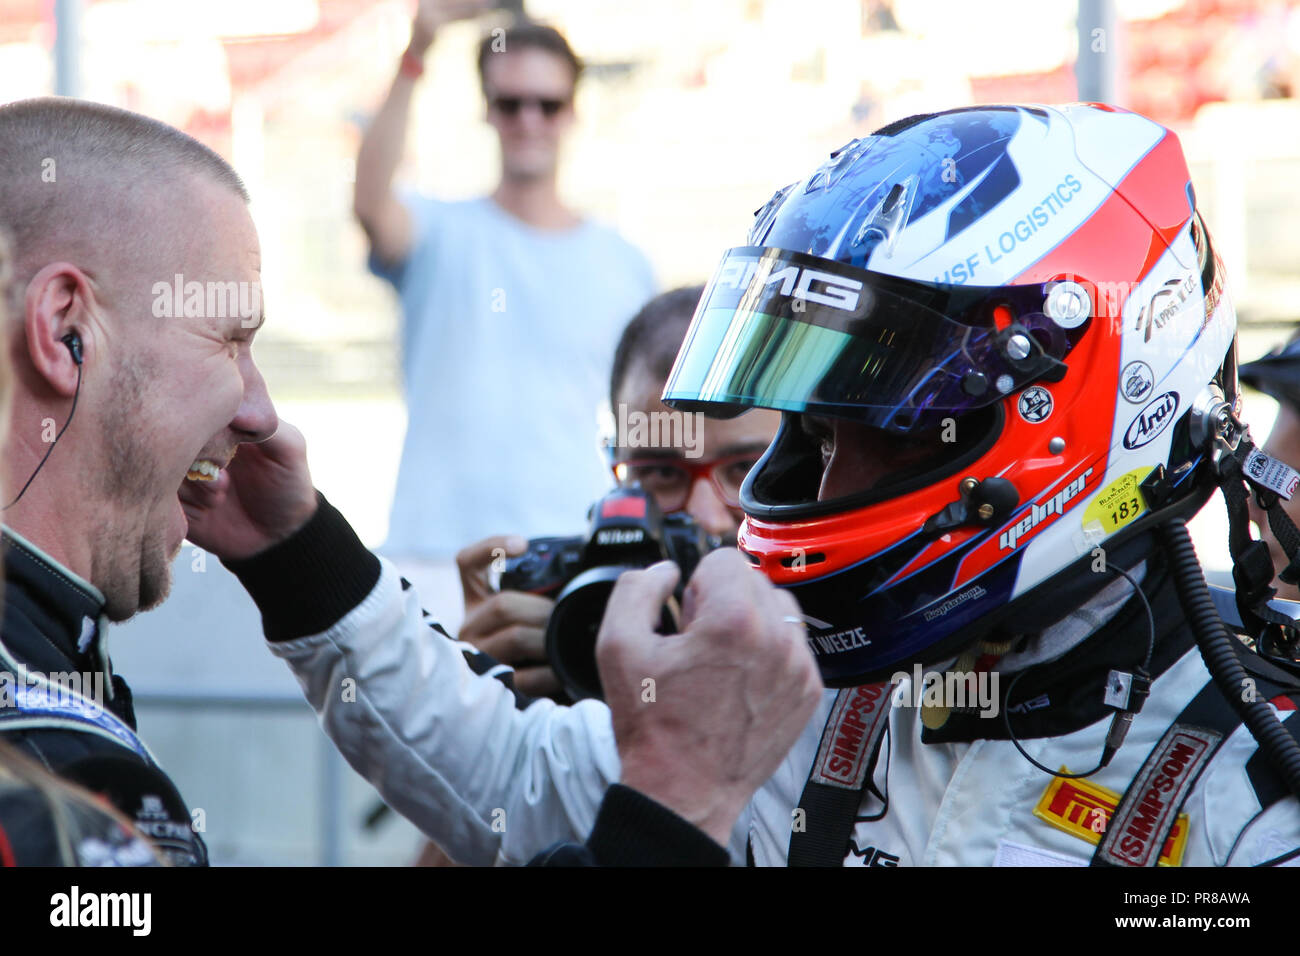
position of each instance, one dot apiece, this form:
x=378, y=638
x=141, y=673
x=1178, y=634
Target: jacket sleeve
x=633, y=830
x=490, y=775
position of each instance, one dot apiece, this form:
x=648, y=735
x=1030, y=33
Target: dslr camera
x=627, y=532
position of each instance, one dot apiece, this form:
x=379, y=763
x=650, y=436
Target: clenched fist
x=704, y=717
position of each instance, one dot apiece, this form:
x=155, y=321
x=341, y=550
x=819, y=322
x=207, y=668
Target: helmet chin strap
x=1240, y=467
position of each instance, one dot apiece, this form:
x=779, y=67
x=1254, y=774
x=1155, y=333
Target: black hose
x=1216, y=644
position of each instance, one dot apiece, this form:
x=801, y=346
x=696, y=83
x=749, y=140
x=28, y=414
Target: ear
x=56, y=304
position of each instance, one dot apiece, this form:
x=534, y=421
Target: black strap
x=1252, y=565
x=1284, y=529
x=822, y=825
x=1208, y=720
x=1199, y=730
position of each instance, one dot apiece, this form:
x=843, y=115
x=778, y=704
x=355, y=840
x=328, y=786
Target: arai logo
x=1151, y=421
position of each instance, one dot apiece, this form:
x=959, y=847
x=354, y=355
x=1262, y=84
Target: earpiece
x=73, y=341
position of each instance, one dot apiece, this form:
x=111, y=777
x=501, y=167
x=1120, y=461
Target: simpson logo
x=1084, y=809
x=837, y=292
x=857, y=720
x=1151, y=421
x=1037, y=514
x=1156, y=794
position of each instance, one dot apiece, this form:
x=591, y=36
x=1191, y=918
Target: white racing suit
x=496, y=778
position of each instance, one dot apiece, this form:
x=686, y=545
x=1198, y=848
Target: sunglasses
x=512, y=105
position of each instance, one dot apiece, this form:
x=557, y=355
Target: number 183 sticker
x=1118, y=503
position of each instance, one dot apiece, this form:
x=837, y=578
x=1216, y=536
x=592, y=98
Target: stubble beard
x=136, y=575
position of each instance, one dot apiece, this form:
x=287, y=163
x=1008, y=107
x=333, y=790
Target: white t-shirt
x=508, y=335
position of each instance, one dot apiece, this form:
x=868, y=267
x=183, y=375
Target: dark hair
x=527, y=35
x=654, y=336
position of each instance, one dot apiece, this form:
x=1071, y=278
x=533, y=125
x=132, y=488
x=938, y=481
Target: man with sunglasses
x=503, y=295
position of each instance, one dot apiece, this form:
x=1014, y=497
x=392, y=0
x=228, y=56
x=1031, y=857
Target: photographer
x=701, y=481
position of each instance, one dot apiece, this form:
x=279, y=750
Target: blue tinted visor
x=784, y=330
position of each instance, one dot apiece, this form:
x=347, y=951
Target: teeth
x=203, y=470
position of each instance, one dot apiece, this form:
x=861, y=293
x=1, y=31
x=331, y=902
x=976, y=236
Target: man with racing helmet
x=1005, y=355
x=1037, y=283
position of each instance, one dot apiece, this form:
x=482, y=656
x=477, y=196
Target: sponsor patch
x=1156, y=793
x=939, y=610
x=1275, y=475
x=1040, y=513
x=1165, y=304
x=1136, y=381
x=1151, y=421
x=1118, y=503
x=792, y=281
x=873, y=855
x=857, y=720
x=1035, y=404
x=1085, y=810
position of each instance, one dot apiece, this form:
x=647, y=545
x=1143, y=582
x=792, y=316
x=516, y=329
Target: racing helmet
x=1018, y=309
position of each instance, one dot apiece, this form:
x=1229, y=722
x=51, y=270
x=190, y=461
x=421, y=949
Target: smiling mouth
x=203, y=469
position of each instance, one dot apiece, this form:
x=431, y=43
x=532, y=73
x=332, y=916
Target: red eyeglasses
x=670, y=480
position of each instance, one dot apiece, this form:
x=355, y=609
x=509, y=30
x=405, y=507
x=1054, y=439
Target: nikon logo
x=620, y=536
x=791, y=281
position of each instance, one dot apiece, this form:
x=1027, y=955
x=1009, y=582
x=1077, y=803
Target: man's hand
x=432, y=14
x=703, y=718
x=509, y=626
x=264, y=495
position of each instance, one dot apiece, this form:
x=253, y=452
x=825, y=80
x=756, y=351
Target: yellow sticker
x=1084, y=809
x=1118, y=503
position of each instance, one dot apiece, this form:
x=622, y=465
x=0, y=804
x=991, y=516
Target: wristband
x=411, y=66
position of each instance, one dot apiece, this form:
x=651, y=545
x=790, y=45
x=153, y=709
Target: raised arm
x=386, y=221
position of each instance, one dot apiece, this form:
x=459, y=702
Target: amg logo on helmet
x=1151, y=421
x=795, y=282
x=1037, y=514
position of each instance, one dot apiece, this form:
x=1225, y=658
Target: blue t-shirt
x=508, y=335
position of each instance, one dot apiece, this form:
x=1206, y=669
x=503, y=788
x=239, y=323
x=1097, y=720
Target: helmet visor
x=784, y=330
